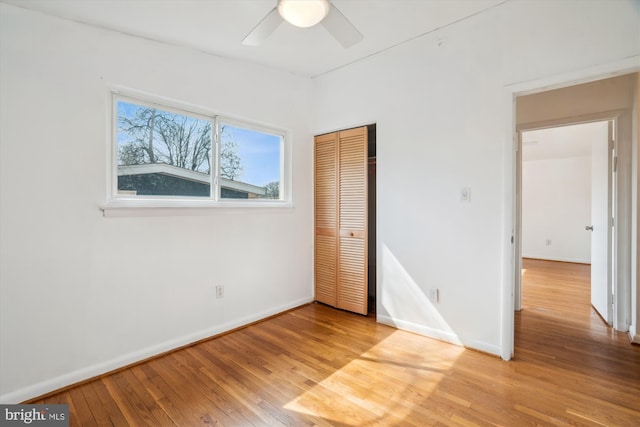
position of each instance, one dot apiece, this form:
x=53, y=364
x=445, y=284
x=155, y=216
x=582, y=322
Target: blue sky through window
x=150, y=135
x=259, y=153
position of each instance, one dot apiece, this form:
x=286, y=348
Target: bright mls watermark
x=36, y=415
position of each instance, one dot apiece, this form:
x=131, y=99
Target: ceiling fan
x=305, y=13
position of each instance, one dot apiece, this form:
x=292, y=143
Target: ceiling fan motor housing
x=303, y=13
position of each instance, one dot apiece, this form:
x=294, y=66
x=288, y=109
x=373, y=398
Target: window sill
x=154, y=207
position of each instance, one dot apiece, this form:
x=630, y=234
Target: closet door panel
x=325, y=269
x=326, y=218
x=352, y=290
x=352, y=220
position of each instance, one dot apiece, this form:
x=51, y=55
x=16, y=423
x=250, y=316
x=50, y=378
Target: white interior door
x=600, y=227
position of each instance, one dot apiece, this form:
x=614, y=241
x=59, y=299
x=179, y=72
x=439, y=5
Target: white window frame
x=120, y=203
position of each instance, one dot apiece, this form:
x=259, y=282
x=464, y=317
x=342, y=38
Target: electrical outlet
x=219, y=291
x=548, y=242
x=434, y=294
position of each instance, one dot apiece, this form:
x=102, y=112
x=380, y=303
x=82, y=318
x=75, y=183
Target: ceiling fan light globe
x=303, y=13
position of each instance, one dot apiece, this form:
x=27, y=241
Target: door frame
x=612, y=185
x=510, y=92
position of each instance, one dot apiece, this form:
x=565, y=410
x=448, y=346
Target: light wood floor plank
x=317, y=366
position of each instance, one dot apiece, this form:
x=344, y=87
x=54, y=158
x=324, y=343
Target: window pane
x=249, y=163
x=162, y=153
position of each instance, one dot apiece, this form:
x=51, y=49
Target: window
x=249, y=163
x=162, y=153
x=166, y=153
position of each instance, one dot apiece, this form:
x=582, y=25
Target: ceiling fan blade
x=264, y=28
x=340, y=28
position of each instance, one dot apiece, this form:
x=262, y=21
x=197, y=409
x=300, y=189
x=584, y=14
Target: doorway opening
x=567, y=195
x=610, y=98
x=371, y=220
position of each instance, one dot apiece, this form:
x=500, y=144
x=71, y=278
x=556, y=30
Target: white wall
x=82, y=294
x=556, y=206
x=440, y=106
x=606, y=95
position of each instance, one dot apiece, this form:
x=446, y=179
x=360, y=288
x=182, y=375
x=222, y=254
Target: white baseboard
x=561, y=259
x=65, y=380
x=439, y=335
x=633, y=334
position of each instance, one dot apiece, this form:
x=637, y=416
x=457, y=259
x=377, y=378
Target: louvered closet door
x=326, y=218
x=352, y=220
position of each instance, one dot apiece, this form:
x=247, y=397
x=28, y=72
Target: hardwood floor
x=319, y=366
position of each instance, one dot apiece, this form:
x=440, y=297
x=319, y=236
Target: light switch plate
x=465, y=194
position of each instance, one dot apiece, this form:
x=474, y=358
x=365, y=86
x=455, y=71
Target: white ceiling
x=218, y=26
x=561, y=142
